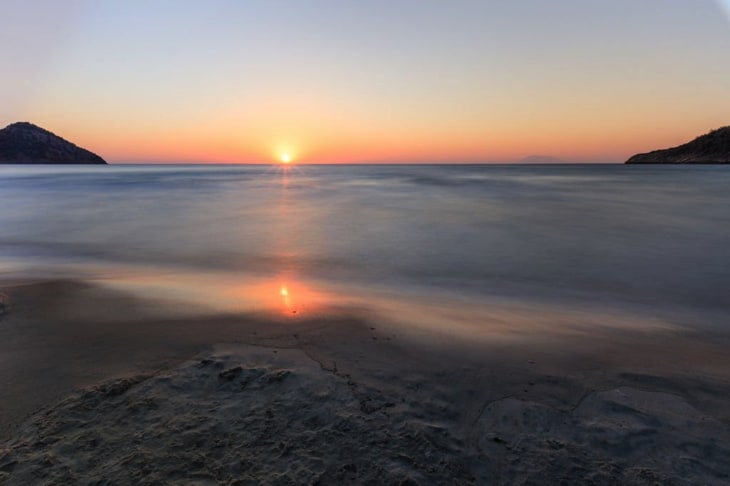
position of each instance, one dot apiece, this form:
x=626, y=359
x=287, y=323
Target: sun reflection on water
x=287, y=297
x=284, y=291
x=279, y=286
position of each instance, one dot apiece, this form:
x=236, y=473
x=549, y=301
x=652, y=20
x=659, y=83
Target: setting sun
x=285, y=158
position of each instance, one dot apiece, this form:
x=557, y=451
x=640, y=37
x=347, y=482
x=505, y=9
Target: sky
x=378, y=81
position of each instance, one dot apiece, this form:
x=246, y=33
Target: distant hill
x=712, y=148
x=25, y=143
x=541, y=159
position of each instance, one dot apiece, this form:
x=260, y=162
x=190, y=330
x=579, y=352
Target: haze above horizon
x=380, y=81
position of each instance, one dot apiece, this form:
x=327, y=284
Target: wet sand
x=102, y=387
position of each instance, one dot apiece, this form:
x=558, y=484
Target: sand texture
x=348, y=402
x=270, y=416
x=257, y=415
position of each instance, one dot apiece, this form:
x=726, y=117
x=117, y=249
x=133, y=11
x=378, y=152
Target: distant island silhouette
x=25, y=143
x=541, y=159
x=711, y=148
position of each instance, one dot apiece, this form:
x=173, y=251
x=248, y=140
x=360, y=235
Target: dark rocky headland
x=711, y=148
x=25, y=143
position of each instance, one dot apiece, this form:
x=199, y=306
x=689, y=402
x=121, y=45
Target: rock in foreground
x=25, y=143
x=712, y=148
x=255, y=415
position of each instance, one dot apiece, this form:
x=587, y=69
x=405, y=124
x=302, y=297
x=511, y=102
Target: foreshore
x=102, y=387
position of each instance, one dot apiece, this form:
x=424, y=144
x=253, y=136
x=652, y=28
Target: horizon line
x=365, y=163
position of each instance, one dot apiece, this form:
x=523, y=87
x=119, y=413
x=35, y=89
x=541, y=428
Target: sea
x=457, y=248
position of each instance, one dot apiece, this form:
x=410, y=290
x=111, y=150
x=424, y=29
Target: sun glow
x=286, y=300
x=285, y=158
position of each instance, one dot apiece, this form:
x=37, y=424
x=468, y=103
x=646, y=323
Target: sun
x=285, y=158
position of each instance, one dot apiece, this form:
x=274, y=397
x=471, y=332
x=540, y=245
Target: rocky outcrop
x=25, y=143
x=712, y=148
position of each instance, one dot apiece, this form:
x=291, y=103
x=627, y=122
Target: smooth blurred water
x=653, y=235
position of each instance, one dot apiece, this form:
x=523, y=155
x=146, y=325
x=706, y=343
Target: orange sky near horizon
x=401, y=81
x=245, y=144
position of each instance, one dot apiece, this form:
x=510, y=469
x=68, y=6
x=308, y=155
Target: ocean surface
x=448, y=245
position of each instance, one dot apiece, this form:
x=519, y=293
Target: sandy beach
x=100, y=387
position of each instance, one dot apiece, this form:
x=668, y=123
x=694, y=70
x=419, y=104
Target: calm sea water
x=460, y=237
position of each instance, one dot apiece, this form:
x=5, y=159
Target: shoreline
x=350, y=400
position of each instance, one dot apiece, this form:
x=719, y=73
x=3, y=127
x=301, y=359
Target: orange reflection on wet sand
x=284, y=291
x=285, y=296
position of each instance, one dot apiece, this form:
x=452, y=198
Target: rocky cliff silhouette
x=711, y=148
x=25, y=143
